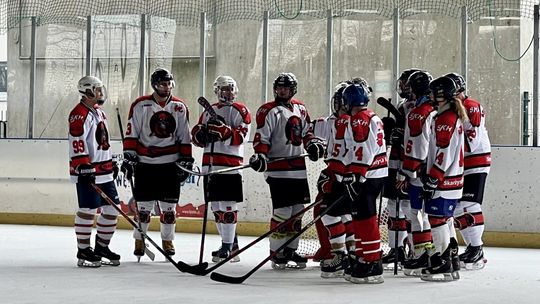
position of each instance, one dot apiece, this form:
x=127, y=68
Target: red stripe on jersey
x=156, y=151
x=184, y=149
x=258, y=146
x=222, y=160
x=336, y=166
x=380, y=161
x=451, y=183
x=102, y=168
x=288, y=164
x=478, y=160
x=437, y=173
x=78, y=160
x=130, y=143
x=358, y=169
x=411, y=164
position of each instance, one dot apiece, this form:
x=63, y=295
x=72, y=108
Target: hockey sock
x=167, y=220
x=106, y=225
x=368, y=238
x=440, y=232
x=336, y=231
x=84, y=220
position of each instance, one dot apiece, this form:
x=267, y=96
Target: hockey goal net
x=309, y=242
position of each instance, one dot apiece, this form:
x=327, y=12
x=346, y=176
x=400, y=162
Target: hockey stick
x=201, y=271
x=147, y=250
x=110, y=202
x=237, y=280
x=212, y=113
x=396, y=234
x=387, y=104
x=225, y=170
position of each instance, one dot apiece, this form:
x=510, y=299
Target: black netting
x=187, y=12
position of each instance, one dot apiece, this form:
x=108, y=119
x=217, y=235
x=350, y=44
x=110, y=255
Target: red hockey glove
x=219, y=129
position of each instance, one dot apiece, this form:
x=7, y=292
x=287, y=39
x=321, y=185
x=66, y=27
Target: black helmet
x=419, y=83
x=443, y=87
x=459, y=80
x=403, y=89
x=159, y=75
x=286, y=80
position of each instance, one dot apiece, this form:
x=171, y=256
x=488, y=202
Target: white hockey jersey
x=339, y=144
x=416, y=141
x=228, y=153
x=396, y=152
x=445, y=157
x=89, y=142
x=282, y=131
x=477, y=144
x=368, y=157
x=158, y=134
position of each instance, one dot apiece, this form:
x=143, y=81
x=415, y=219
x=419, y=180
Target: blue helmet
x=355, y=95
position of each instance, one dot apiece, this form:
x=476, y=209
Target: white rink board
x=34, y=179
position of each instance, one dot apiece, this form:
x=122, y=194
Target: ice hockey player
x=283, y=131
x=366, y=173
x=223, y=138
x=337, y=223
x=397, y=223
x=91, y=163
x=416, y=143
x=469, y=218
x=443, y=182
x=157, y=138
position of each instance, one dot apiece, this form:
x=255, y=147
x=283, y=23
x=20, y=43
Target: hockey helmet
x=160, y=75
x=443, y=88
x=459, y=80
x=225, y=82
x=286, y=80
x=355, y=95
x=419, y=83
x=403, y=89
x=337, y=98
x=92, y=87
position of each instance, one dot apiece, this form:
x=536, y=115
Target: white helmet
x=88, y=85
x=225, y=81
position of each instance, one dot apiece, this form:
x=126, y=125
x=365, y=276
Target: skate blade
x=438, y=277
x=480, y=264
x=333, y=275
x=417, y=272
x=110, y=263
x=376, y=279
x=85, y=263
x=455, y=275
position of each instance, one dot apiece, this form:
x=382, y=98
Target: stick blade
x=227, y=279
x=198, y=269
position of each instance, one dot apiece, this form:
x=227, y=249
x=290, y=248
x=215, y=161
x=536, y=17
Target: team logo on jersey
x=293, y=131
x=162, y=124
x=102, y=137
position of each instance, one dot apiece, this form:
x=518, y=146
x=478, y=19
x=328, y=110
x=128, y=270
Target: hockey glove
x=200, y=135
x=396, y=137
x=185, y=162
x=86, y=173
x=315, y=149
x=259, y=162
x=353, y=183
x=402, y=181
x=326, y=181
x=219, y=130
x=128, y=164
x=430, y=185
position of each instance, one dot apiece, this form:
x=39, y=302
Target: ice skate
x=219, y=255
x=335, y=267
x=367, y=273
x=351, y=257
x=292, y=256
x=139, y=249
x=413, y=267
x=473, y=258
x=105, y=252
x=440, y=269
x=279, y=261
x=389, y=259
x=87, y=258
x=454, y=249
x=168, y=247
